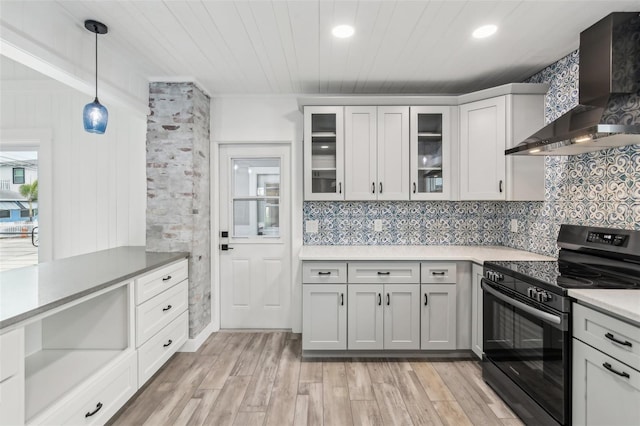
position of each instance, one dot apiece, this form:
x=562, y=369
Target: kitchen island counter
x=33, y=290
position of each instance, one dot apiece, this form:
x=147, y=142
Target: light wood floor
x=247, y=378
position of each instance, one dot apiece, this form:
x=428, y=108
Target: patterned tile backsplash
x=599, y=189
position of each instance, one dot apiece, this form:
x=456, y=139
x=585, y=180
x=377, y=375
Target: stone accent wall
x=178, y=186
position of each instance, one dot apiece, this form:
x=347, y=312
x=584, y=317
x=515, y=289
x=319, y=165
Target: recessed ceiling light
x=484, y=31
x=343, y=31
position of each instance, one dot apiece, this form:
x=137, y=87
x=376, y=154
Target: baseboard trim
x=192, y=345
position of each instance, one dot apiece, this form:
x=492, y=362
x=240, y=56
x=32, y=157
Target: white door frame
x=37, y=140
x=295, y=222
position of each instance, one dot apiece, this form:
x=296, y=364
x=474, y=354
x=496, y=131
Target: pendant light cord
x=96, y=28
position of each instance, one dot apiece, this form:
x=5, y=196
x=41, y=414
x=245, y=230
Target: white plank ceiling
x=286, y=47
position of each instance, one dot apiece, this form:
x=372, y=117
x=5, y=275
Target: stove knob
x=543, y=296
x=499, y=277
x=532, y=292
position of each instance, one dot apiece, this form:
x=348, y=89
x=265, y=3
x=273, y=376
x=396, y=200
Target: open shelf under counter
x=52, y=373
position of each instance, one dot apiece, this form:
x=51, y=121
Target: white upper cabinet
x=487, y=128
x=431, y=150
x=376, y=153
x=323, y=153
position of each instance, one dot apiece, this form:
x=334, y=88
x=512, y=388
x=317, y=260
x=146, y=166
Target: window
x=24, y=213
x=5, y=213
x=18, y=175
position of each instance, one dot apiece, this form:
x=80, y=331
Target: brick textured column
x=178, y=186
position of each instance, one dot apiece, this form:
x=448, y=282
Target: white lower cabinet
x=324, y=319
x=605, y=370
x=12, y=377
x=476, y=310
x=402, y=316
x=438, y=316
x=383, y=316
x=605, y=391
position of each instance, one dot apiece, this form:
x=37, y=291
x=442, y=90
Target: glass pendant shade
x=95, y=117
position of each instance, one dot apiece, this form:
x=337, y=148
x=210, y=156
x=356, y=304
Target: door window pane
x=256, y=197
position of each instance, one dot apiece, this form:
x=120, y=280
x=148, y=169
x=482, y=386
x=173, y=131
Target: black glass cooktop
x=590, y=273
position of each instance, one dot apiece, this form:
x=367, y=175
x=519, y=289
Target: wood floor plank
x=227, y=404
x=512, y=422
x=416, y=400
x=173, y=371
x=431, y=381
x=139, y=410
x=187, y=412
x=334, y=374
x=359, y=381
x=391, y=405
x=255, y=418
x=248, y=360
x=379, y=371
x=216, y=343
x=311, y=371
x=220, y=371
x=451, y=413
x=169, y=408
x=473, y=374
x=366, y=413
x=282, y=404
x=336, y=406
x=259, y=392
x=207, y=398
x=309, y=405
x=470, y=400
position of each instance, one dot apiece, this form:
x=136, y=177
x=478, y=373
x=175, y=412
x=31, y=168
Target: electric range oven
x=527, y=317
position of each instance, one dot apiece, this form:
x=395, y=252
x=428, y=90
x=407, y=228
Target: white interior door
x=255, y=265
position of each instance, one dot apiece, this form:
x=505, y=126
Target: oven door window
x=531, y=351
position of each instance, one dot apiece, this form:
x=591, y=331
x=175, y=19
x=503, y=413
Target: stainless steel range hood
x=609, y=75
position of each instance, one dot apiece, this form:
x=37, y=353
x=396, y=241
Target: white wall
x=43, y=36
x=97, y=194
x=260, y=119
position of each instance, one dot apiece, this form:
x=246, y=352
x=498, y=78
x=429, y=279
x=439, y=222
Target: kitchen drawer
x=441, y=273
x=12, y=353
x=617, y=338
x=153, y=315
x=12, y=401
x=324, y=272
x=383, y=272
x=157, y=281
x=102, y=395
x=155, y=352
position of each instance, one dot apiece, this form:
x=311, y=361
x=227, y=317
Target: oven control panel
x=618, y=240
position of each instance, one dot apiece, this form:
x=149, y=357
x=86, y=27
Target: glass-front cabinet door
x=324, y=153
x=430, y=150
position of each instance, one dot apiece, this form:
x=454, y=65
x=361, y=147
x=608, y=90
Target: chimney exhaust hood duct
x=609, y=74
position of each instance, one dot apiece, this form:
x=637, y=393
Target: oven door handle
x=545, y=316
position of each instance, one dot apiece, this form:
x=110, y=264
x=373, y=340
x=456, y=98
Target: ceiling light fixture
x=484, y=31
x=343, y=31
x=95, y=115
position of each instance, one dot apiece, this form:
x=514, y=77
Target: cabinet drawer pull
x=620, y=342
x=608, y=367
x=168, y=343
x=384, y=273
x=379, y=299
x=340, y=186
x=167, y=278
x=341, y=299
x=501, y=187
x=167, y=308
x=426, y=299
x=388, y=299
x=380, y=188
x=373, y=187
x=414, y=187
x=438, y=273
x=324, y=273
x=91, y=413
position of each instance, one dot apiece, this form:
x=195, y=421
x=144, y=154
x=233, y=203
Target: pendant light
x=95, y=114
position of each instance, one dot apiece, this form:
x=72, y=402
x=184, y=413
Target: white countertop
x=622, y=303
x=477, y=254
